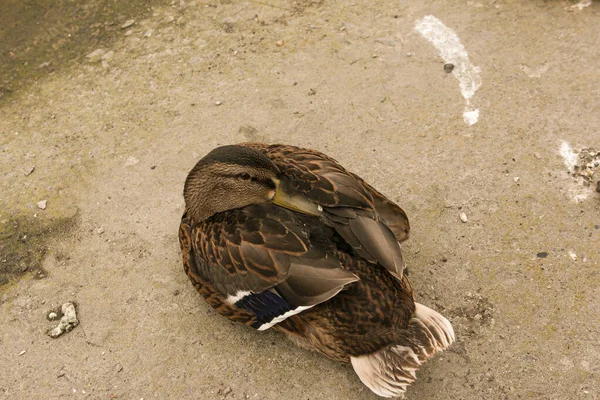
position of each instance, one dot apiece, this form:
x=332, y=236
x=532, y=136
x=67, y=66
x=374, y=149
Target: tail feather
x=389, y=371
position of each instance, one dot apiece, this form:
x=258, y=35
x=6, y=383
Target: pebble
x=100, y=231
x=27, y=171
x=52, y=315
x=22, y=352
x=463, y=217
x=279, y=43
x=131, y=160
x=148, y=33
x=128, y=23
x=218, y=102
x=572, y=255
x=67, y=322
x=42, y=204
x=129, y=32
x=448, y=68
x=108, y=55
x=542, y=254
x=95, y=55
x=516, y=179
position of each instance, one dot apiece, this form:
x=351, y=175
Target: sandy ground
x=111, y=119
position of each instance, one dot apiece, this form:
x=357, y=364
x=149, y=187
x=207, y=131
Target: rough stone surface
x=526, y=326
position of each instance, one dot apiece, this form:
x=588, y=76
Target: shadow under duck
x=277, y=236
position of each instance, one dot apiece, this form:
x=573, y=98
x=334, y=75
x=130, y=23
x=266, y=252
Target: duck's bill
x=295, y=202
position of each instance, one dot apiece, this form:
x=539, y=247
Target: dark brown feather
x=357, y=211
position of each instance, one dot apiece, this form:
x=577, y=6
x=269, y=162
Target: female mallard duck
x=284, y=237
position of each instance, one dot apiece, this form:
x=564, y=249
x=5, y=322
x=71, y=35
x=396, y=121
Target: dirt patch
x=23, y=245
x=588, y=162
x=37, y=38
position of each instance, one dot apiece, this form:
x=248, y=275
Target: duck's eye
x=245, y=176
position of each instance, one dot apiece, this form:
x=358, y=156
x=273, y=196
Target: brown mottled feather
x=356, y=210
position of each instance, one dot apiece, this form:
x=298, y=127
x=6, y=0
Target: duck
x=280, y=237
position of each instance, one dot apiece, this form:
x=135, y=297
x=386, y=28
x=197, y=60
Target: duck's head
x=231, y=177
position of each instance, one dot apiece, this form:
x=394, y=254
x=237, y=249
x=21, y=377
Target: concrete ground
x=112, y=118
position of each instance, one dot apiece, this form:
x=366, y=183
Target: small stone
x=118, y=368
x=148, y=33
x=312, y=92
x=537, y=155
x=542, y=254
x=279, y=43
x=67, y=322
x=52, y=316
x=516, y=179
x=131, y=160
x=22, y=352
x=129, y=32
x=448, y=68
x=100, y=231
x=27, y=171
x=218, y=102
x=42, y=204
x=463, y=217
x=409, y=54
x=227, y=391
x=95, y=55
x=128, y=23
x=108, y=55
x=572, y=255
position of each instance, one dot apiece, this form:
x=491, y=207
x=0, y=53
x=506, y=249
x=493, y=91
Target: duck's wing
x=258, y=265
x=366, y=219
x=393, y=216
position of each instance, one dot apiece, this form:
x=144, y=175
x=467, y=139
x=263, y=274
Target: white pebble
x=516, y=179
x=52, y=315
x=128, y=23
x=131, y=160
x=67, y=322
x=463, y=217
x=42, y=204
x=572, y=255
x=218, y=102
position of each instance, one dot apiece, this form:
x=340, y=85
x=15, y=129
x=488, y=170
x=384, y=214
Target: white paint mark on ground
x=452, y=51
x=582, y=4
x=568, y=155
x=582, y=165
x=471, y=117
